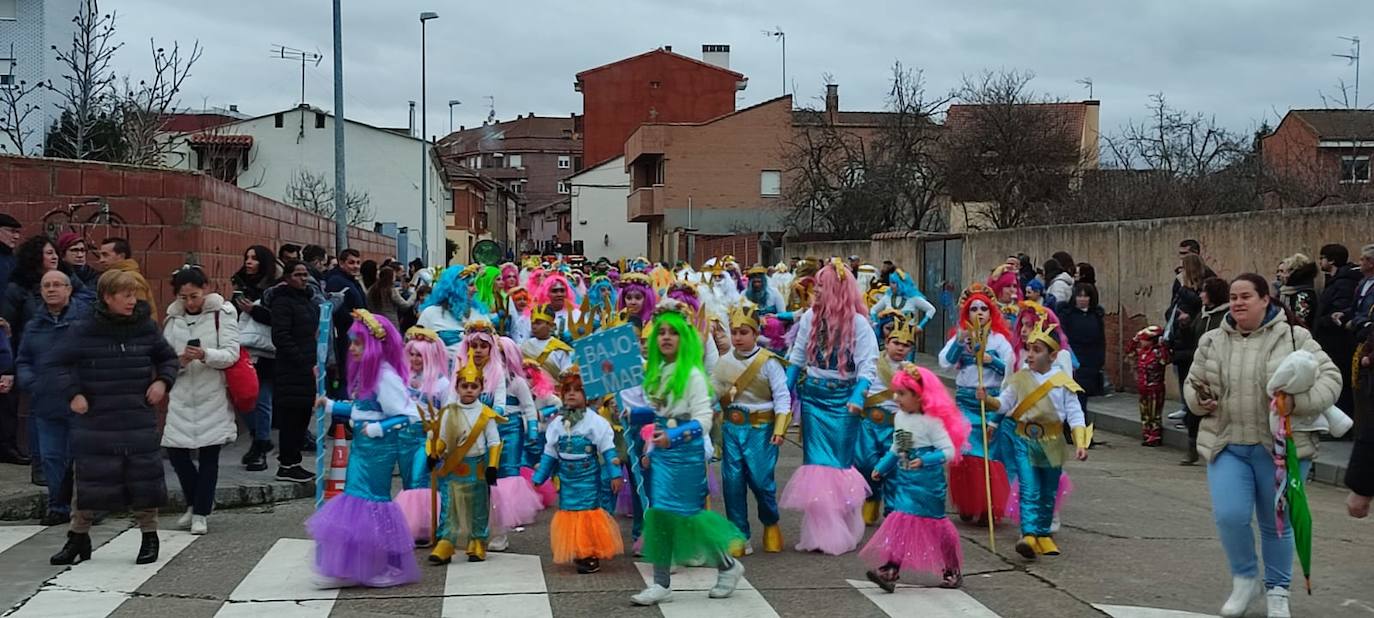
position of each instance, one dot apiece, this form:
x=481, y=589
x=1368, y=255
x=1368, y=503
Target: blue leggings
x=1241, y=480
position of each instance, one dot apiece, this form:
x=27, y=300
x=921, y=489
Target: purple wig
x=365, y=373
x=646, y=311
x=685, y=294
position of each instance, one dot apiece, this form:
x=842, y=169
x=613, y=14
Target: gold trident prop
x=429, y=421
x=980, y=341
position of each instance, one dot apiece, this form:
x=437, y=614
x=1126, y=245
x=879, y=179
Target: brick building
x=1320, y=156
x=483, y=209
x=531, y=157
x=656, y=86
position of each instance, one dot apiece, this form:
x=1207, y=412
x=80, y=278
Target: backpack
x=241, y=379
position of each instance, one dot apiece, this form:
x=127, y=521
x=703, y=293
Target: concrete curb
x=33, y=505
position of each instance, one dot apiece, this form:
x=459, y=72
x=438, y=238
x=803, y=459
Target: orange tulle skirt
x=584, y=534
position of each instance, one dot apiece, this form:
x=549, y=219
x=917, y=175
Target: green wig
x=486, y=287
x=689, y=356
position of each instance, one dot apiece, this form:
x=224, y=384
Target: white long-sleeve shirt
x=471, y=412
x=909, y=307
x=781, y=401
x=694, y=404
x=864, y=346
x=519, y=387
x=392, y=395
x=1065, y=402
x=925, y=431
x=593, y=427
x=998, y=348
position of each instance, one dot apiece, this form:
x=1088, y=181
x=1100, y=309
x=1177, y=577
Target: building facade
x=598, y=216
x=1319, y=156
x=29, y=29
x=656, y=86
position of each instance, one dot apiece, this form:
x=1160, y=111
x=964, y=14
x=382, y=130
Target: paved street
x=1137, y=538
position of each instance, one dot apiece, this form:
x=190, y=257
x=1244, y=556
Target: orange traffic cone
x=338, y=464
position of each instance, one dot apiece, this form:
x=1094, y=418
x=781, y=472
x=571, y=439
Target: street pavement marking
x=1128, y=611
x=690, y=587
x=913, y=601
x=14, y=535
x=504, y=585
x=97, y=587
x=280, y=584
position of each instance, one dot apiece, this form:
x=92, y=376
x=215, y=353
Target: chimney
x=668, y=48
x=412, y=119
x=832, y=102
x=234, y=108
x=718, y=55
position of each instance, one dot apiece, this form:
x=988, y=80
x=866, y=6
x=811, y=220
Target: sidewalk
x=1119, y=414
x=20, y=499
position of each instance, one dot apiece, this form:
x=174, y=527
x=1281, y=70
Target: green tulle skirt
x=699, y=539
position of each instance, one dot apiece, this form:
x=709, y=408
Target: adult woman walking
x=384, y=298
x=257, y=275
x=295, y=322
x=1226, y=387
x=203, y=329
x=1084, y=323
x=1215, y=307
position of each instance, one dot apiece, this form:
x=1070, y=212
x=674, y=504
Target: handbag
x=240, y=379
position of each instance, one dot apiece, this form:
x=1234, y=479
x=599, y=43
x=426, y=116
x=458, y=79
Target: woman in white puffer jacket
x=199, y=415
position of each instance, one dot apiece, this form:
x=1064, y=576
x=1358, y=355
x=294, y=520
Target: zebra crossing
x=278, y=582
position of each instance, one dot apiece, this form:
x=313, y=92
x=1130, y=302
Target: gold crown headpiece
x=1043, y=332
x=841, y=270
x=469, y=271
x=905, y=331
x=635, y=277
x=541, y=312
x=369, y=320
x=420, y=333
x=584, y=323
x=672, y=305
x=745, y=315
x=757, y=271
x=469, y=373
x=912, y=369
x=975, y=288
x=479, y=324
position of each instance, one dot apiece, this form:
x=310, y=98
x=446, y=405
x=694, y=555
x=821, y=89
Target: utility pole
x=340, y=189
x=451, y=103
x=1353, y=58
x=778, y=34
x=424, y=143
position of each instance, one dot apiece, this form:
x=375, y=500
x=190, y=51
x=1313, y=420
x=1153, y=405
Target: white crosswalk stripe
x=14, y=535
x=98, y=587
x=690, y=600
x=504, y=585
x=279, y=585
x=1129, y=611
x=913, y=602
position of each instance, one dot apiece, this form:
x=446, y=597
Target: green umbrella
x=1295, y=498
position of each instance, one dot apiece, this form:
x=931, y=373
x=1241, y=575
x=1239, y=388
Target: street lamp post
x=424, y=143
x=451, y=103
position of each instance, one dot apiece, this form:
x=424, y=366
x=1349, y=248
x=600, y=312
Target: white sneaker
x=1244, y=591
x=748, y=549
x=1054, y=524
x=1278, y=602
x=325, y=582
x=726, y=581
x=1177, y=415
x=199, y=525
x=498, y=543
x=184, y=521
x=653, y=595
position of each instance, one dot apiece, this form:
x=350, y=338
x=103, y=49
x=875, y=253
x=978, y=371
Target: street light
x=424, y=143
x=451, y=103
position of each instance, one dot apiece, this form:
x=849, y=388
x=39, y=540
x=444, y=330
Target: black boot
x=252, y=455
x=259, y=461
x=78, y=548
x=147, y=552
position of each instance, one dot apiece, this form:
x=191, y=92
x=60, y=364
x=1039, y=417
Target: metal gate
x=941, y=281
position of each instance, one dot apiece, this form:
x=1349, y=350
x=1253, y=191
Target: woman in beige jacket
x=1226, y=387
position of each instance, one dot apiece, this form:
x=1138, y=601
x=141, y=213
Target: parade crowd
x=465, y=380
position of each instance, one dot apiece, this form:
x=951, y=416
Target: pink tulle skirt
x=1014, y=502
x=417, y=505
x=914, y=543
x=831, y=501
x=548, y=494
x=363, y=542
x=513, y=503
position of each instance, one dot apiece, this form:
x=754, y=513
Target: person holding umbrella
x=1226, y=386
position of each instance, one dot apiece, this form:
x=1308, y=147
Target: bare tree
x=1007, y=155
x=89, y=90
x=15, y=110
x=144, y=106
x=907, y=166
x=312, y=193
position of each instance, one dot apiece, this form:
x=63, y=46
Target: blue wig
x=453, y=292
x=903, y=287
x=601, y=293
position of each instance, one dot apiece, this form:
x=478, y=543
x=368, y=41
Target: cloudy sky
x=1245, y=61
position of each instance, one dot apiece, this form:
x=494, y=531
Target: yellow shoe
x=871, y=509
x=737, y=550
x=1028, y=547
x=443, y=553
x=772, y=539
x=477, y=552
x=1047, y=546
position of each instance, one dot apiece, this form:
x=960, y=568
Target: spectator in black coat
x=1337, y=297
x=295, y=326
x=115, y=369
x=1359, y=474
x=1084, y=323
x=344, y=279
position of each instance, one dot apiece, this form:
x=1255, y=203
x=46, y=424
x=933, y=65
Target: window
x=770, y=182
x=481, y=222
x=1355, y=169
x=277, y=120
x=7, y=66
x=517, y=187
x=515, y=160
x=9, y=9
x=319, y=120
x=564, y=162
x=564, y=187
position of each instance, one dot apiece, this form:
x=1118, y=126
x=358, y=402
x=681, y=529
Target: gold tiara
x=635, y=278
x=1043, y=332
x=905, y=331
x=672, y=305
x=478, y=324
x=370, y=321
x=541, y=312
x=469, y=373
x=420, y=333
x=745, y=315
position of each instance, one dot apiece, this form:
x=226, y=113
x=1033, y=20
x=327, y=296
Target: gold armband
x=780, y=422
x=1083, y=436
x=494, y=456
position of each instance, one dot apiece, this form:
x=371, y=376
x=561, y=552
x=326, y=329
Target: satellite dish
x=487, y=252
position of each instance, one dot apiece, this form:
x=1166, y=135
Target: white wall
x=384, y=164
x=598, y=212
x=39, y=25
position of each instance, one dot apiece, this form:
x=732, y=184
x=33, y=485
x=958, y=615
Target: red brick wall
x=616, y=100
x=170, y=217
x=745, y=248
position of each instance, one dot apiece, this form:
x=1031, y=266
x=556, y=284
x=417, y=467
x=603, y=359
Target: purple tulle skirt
x=1061, y=496
x=417, y=505
x=363, y=542
x=914, y=543
x=513, y=503
x=624, y=501
x=548, y=494
x=831, y=501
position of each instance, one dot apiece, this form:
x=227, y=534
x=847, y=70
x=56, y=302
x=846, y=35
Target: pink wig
x=541, y=294
x=936, y=402
x=835, y=310
x=1007, y=279
x=494, y=372
x=435, y=368
x=541, y=384
x=1030, y=313
x=365, y=373
x=509, y=270
x=511, y=355
x=536, y=280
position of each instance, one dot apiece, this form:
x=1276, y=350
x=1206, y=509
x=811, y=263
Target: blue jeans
x=259, y=421
x=51, y=435
x=1241, y=480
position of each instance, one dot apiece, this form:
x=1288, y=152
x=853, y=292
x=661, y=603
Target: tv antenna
x=1353, y=58
x=781, y=36
x=491, y=109
x=290, y=53
x=1086, y=82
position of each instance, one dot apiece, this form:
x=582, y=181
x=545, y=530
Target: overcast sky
x=1244, y=60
